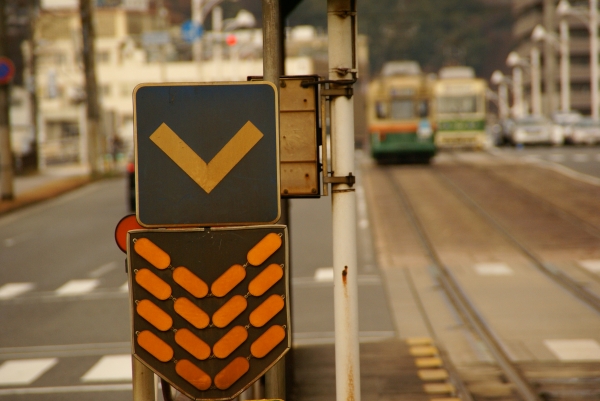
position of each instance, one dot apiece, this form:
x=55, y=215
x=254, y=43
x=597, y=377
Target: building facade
x=528, y=14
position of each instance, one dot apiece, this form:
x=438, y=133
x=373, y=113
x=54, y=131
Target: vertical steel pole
x=503, y=100
x=340, y=24
x=143, y=382
x=91, y=84
x=549, y=59
x=536, y=95
x=594, y=56
x=517, y=77
x=565, y=78
x=197, y=19
x=272, y=71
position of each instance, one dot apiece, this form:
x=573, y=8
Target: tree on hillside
x=433, y=32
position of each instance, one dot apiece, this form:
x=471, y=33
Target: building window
x=105, y=90
x=103, y=56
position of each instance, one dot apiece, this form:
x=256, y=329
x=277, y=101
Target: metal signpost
x=210, y=301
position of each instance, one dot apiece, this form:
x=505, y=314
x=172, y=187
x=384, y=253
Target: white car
x=585, y=131
x=566, y=119
x=533, y=129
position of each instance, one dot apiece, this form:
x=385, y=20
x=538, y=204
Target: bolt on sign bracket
x=210, y=309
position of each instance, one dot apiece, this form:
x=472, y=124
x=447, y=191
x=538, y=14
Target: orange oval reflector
x=265, y=248
x=192, y=344
x=266, y=311
x=228, y=280
x=190, y=312
x=125, y=225
x=152, y=253
x=190, y=282
x=232, y=309
x=153, y=284
x=265, y=280
x=231, y=373
x=155, y=346
x=230, y=341
x=154, y=315
x=267, y=341
x=193, y=374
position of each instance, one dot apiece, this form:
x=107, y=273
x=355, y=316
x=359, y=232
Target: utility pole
x=6, y=160
x=32, y=12
x=91, y=85
x=272, y=71
x=341, y=27
x=549, y=58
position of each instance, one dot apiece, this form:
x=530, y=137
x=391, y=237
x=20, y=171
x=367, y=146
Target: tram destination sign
x=206, y=154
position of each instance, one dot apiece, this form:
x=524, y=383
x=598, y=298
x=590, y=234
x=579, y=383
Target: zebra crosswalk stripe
x=24, y=371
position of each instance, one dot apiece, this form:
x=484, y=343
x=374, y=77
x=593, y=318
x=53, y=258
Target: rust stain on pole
x=345, y=275
x=350, y=381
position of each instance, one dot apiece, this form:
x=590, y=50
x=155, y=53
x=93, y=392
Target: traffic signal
x=210, y=310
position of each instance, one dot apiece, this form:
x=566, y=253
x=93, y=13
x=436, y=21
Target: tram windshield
x=457, y=104
x=402, y=109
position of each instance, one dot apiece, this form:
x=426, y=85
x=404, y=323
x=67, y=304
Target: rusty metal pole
x=6, y=159
x=91, y=85
x=341, y=29
x=272, y=71
x=143, y=381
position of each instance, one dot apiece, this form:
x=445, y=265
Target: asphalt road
x=64, y=326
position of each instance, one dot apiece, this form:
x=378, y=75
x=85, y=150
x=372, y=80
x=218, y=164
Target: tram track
x=555, y=274
x=458, y=224
x=460, y=301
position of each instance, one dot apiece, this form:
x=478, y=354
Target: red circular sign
x=7, y=70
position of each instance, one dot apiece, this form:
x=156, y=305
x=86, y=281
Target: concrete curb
x=50, y=190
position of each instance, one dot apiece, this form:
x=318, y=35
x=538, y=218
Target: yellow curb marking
x=428, y=362
x=207, y=175
x=439, y=388
x=432, y=374
x=423, y=351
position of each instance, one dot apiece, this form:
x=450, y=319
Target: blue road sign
x=207, y=154
x=190, y=31
x=7, y=70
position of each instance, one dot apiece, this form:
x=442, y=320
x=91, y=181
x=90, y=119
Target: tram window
x=457, y=104
x=403, y=109
x=381, y=110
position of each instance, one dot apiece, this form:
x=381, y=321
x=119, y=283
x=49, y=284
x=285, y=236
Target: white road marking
x=24, y=371
x=324, y=274
x=102, y=270
x=574, y=350
x=493, y=269
x=77, y=287
x=11, y=290
x=110, y=368
x=67, y=389
x=10, y=242
x=557, y=157
x=124, y=287
x=580, y=157
x=593, y=265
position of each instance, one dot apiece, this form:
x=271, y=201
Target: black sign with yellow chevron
x=210, y=308
x=206, y=154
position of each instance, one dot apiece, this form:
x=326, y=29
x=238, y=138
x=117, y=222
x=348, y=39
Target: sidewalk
x=48, y=183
